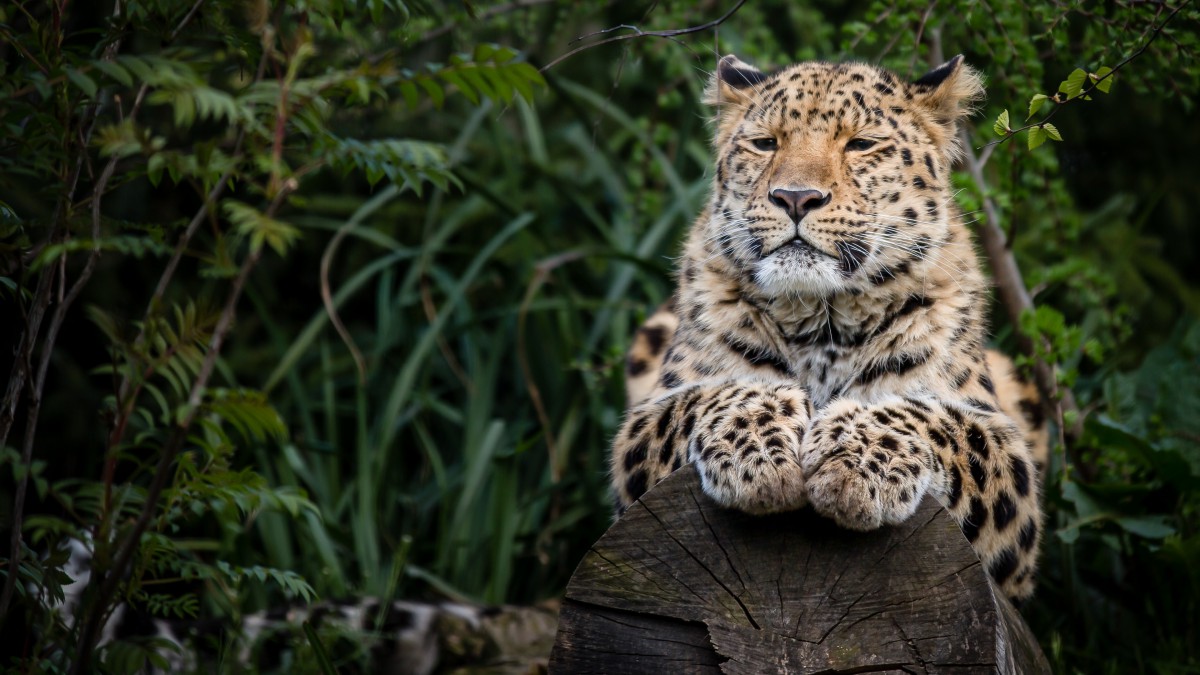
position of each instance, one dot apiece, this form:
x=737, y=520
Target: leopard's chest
x=826, y=372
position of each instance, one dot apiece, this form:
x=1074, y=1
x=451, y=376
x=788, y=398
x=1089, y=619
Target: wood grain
x=680, y=584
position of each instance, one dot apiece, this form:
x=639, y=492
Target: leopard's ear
x=734, y=81
x=948, y=93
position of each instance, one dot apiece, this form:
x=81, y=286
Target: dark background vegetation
x=490, y=277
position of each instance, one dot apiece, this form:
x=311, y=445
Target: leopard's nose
x=798, y=203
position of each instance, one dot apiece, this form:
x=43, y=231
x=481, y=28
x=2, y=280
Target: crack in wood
x=912, y=646
x=716, y=538
x=667, y=594
x=916, y=530
x=678, y=580
x=845, y=614
x=738, y=600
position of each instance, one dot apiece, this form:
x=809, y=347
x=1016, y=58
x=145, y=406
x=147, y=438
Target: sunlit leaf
x=1037, y=136
x=1001, y=125
x=1074, y=83
x=1036, y=103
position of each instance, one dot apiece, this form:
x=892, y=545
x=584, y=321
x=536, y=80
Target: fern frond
x=260, y=228
x=407, y=162
x=249, y=412
x=136, y=246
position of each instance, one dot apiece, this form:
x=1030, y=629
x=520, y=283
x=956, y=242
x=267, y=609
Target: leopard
x=825, y=346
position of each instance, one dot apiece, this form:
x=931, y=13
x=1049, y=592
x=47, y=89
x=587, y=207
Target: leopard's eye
x=860, y=144
x=765, y=144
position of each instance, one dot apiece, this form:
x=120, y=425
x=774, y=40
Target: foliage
x=435, y=258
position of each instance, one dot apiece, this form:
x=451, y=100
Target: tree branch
x=1154, y=32
x=641, y=33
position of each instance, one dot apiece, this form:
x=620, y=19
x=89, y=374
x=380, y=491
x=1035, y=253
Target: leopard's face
x=832, y=176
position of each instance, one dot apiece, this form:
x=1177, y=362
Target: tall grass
x=436, y=471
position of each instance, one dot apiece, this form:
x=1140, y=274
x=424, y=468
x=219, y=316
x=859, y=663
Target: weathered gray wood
x=682, y=585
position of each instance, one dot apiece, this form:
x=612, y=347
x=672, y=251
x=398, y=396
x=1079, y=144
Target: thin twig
x=641, y=33
x=920, y=34
x=867, y=31
x=1083, y=94
x=110, y=580
x=185, y=21
x=168, y=273
x=164, y=280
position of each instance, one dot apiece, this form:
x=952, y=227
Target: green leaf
x=1085, y=505
x=401, y=160
x=528, y=73
x=1037, y=136
x=1150, y=527
x=484, y=52
x=455, y=79
x=503, y=55
x=1103, y=83
x=1001, y=125
x=477, y=80
x=1074, y=83
x=434, y=90
x=85, y=83
x=1036, y=103
x=1052, y=132
x=499, y=82
x=1104, y=432
x=114, y=71
x=409, y=91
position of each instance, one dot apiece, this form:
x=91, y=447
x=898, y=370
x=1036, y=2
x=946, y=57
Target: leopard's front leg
x=869, y=465
x=865, y=466
x=743, y=436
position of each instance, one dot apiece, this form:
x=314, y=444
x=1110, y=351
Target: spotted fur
x=825, y=344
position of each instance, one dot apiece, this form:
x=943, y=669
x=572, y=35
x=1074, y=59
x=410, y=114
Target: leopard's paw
x=863, y=473
x=748, y=455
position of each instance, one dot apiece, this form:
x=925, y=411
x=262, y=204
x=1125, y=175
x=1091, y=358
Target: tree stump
x=680, y=584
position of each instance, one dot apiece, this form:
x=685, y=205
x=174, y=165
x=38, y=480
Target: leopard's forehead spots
x=846, y=97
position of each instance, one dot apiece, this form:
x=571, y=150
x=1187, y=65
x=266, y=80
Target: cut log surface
x=680, y=584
